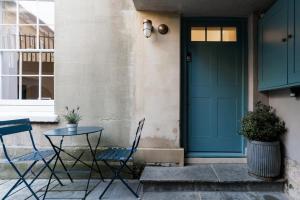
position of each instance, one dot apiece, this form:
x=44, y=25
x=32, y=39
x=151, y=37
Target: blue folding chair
x=18, y=126
x=121, y=155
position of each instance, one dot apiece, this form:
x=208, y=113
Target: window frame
x=37, y=110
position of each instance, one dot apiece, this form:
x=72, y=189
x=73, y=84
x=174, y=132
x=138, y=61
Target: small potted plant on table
x=263, y=129
x=72, y=117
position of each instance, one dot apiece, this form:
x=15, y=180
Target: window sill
x=34, y=117
x=35, y=110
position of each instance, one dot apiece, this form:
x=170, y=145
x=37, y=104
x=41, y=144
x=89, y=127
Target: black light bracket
x=295, y=92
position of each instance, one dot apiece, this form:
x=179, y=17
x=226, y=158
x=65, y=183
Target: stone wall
x=292, y=173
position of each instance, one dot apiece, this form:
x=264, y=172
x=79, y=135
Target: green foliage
x=262, y=124
x=72, y=116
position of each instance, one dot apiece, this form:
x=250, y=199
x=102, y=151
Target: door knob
x=283, y=40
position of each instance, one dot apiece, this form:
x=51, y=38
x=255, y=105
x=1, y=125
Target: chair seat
x=34, y=156
x=114, y=154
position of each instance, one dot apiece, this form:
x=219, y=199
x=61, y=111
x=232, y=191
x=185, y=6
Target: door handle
x=290, y=36
x=283, y=39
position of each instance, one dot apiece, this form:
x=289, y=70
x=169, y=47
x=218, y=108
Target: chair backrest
x=138, y=135
x=14, y=126
x=10, y=127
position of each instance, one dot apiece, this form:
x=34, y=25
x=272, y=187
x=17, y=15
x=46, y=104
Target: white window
x=27, y=59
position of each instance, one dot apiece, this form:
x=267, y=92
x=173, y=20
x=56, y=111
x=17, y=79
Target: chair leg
x=126, y=184
x=106, y=188
x=117, y=175
x=47, y=166
x=49, y=181
x=23, y=179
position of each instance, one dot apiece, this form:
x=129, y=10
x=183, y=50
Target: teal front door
x=215, y=90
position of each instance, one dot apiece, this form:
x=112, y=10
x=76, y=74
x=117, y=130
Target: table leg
x=93, y=153
x=58, y=155
x=55, y=163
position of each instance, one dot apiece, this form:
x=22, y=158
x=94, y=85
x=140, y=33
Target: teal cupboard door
x=294, y=42
x=273, y=47
x=214, y=98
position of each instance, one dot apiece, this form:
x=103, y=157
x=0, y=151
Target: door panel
x=273, y=27
x=215, y=95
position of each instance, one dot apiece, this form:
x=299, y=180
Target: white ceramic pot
x=72, y=127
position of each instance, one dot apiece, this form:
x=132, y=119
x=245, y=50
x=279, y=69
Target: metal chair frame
x=121, y=155
x=11, y=127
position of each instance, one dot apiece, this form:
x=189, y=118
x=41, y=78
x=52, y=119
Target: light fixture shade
x=147, y=28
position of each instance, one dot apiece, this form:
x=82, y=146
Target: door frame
x=185, y=24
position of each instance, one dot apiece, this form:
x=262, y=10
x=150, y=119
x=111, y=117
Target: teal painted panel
x=215, y=96
x=294, y=42
x=273, y=49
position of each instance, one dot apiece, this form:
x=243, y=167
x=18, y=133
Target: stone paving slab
x=203, y=173
x=119, y=191
x=213, y=196
x=233, y=173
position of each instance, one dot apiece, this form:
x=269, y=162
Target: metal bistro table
x=62, y=133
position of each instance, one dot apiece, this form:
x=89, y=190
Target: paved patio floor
x=118, y=191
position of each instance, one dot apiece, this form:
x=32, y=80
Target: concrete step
x=206, y=177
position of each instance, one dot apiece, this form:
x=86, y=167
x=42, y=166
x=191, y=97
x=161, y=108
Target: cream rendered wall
x=105, y=65
x=288, y=108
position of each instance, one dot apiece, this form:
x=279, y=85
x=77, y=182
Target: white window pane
x=9, y=63
x=30, y=87
x=7, y=37
x=46, y=37
x=46, y=12
x=47, y=63
x=28, y=37
x=197, y=34
x=8, y=12
x=213, y=34
x=229, y=34
x=30, y=63
x=27, y=12
x=9, y=87
x=47, y=88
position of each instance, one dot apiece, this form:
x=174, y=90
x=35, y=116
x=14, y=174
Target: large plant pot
x=264, y=159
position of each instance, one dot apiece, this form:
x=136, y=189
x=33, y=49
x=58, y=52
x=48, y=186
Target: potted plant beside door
x=72, y=118
x=263, y=129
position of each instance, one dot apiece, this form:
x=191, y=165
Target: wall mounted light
x=148, y=28
x=163, y=29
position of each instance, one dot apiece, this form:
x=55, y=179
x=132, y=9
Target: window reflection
x=9, y=64
x=8, y=12
x=30, y=87
x=47, y=88
x=9, y=87
x=8, y=36
x=27, y=12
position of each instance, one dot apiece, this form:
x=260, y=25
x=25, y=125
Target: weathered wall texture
x=105, y=65
x=288, y=108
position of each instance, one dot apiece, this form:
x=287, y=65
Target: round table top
x=81, y=130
